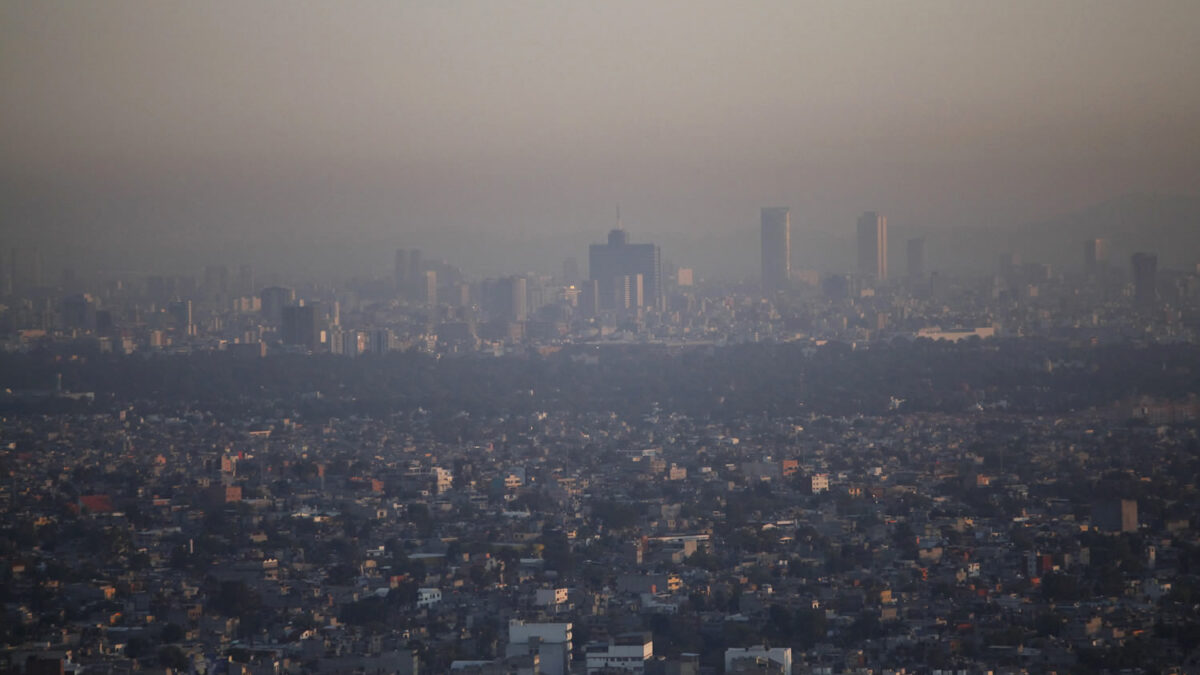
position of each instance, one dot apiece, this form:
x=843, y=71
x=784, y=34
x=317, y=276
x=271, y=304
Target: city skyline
x=303, y=368
x=133, y=130
x=1162, y=224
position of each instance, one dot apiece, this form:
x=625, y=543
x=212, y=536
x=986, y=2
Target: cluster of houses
x=595, y=543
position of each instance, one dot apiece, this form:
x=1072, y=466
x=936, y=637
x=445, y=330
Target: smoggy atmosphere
x=599, y=338
x=498, y=135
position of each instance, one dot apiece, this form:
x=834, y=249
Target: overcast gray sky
x=532, y=117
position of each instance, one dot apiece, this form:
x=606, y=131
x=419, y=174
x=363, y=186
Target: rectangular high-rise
x=1115, y=515
x=589, y=298
x=181, y=314
x=415, y=289
x=1095, y=256
x=505, y=299
x=429, y=288
x=300, y=326
x=400, y=271
x=609, y=264
x=1145, y=279
x=245, y=283
x=872, y=246
x=272, y=301
x=776, y=248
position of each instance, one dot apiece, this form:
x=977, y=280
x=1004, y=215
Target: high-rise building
x=610, y=264
x=589, y=298
x=181, y=315
x=872, y=246
x=429, y=288
x=273, y=299
x=245, y=280
x=916, y=258
x=518, y=294
x=408, y=275
x=1095, y=256
x=1115, y=515
x=629, y=292
x=776, y=249
x=506, y=298
x=301, y=326
x=79, y=312
x=460, y=295
x=400, y=271
x=416, y=275
x=550, y=641
x=1145, y=279
x=380, y=340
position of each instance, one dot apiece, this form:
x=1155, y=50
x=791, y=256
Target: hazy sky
x=378, y=118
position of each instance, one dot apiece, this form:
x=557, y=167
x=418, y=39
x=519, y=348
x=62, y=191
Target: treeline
x=775, y=379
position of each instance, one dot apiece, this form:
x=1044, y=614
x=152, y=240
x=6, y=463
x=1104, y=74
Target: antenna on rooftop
x=619, y=225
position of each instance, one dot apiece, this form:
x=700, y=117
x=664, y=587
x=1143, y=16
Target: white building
x=820, y=483
x=428, y=597
x=550, y=642
x=628, y=652
x=444, y=478
x=759, y=659
x=956, y=334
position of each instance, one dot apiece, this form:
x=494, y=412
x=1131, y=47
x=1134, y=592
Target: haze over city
x=599, y=338
x=501, y=135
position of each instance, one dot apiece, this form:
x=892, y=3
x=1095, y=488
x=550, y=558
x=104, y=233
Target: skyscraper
x=273, y=300
x=609, y=265
x=1145, y=279
x=872, y=245
x=589, y=298
x=776, y=248
x=79, y=311
x=414, y=284
x=301, y=326
x=429, y=284
x=1095, y=256
x=181, y=315
x=400, y=271
x=916, y=258
x=245, y=280
x=505, y=299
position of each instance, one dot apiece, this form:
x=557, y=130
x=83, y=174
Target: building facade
x=872, y=246
x=1145, y=279
x=615, y=267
